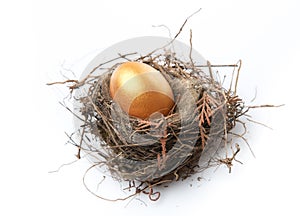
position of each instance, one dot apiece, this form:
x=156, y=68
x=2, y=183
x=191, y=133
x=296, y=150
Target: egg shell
x=141, y=90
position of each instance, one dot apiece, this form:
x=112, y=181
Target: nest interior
x=165, y=147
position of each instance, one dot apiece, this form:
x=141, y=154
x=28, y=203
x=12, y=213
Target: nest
x=163, y=148
x=160, y=149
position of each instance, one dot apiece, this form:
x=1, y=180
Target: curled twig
x=228, y=161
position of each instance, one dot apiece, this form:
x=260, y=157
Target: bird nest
x=161, y=148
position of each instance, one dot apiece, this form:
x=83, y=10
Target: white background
x=40, y=38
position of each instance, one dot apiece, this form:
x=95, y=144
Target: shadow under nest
x=163, y=148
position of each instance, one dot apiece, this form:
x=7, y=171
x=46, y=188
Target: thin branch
x=138, y=190
x=191, y=48
x=63, y=82
x=178, y=33
x=228, y=161
x=180, y=30
x=210, y=72
x=237, y=76
x=81, y=140
x=255, y=94
x=264, y=106
x=61, y=166
x=218, y=65
x=259, y=123
x=245, y=140
x=67, y=108
x=164, y=26
x=111, y=60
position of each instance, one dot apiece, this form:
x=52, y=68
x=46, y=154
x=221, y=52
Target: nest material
x=163, y=148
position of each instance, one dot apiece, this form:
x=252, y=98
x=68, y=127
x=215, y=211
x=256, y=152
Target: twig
x=219, y=65
x=191, y=48
x=163, y=141
x=228, y=161
x=66, y=69
x=180, y=30
x=264, y=106
x=111, y=60
x=138, y=190
x=237, y=76
x=210, y=72
x=63, y=82
x=67, y=108
x=61, y=166
x=178, y=33
x=164, y=26
x=245, y=140
x=256, y=122
x=81, y=140
x=255, y=94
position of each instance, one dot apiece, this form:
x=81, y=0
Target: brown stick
x=178, y=33
x=63, y=82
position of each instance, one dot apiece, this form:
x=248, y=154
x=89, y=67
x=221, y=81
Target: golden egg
x=141, y=90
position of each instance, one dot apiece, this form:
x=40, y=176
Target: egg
x=141, y=90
